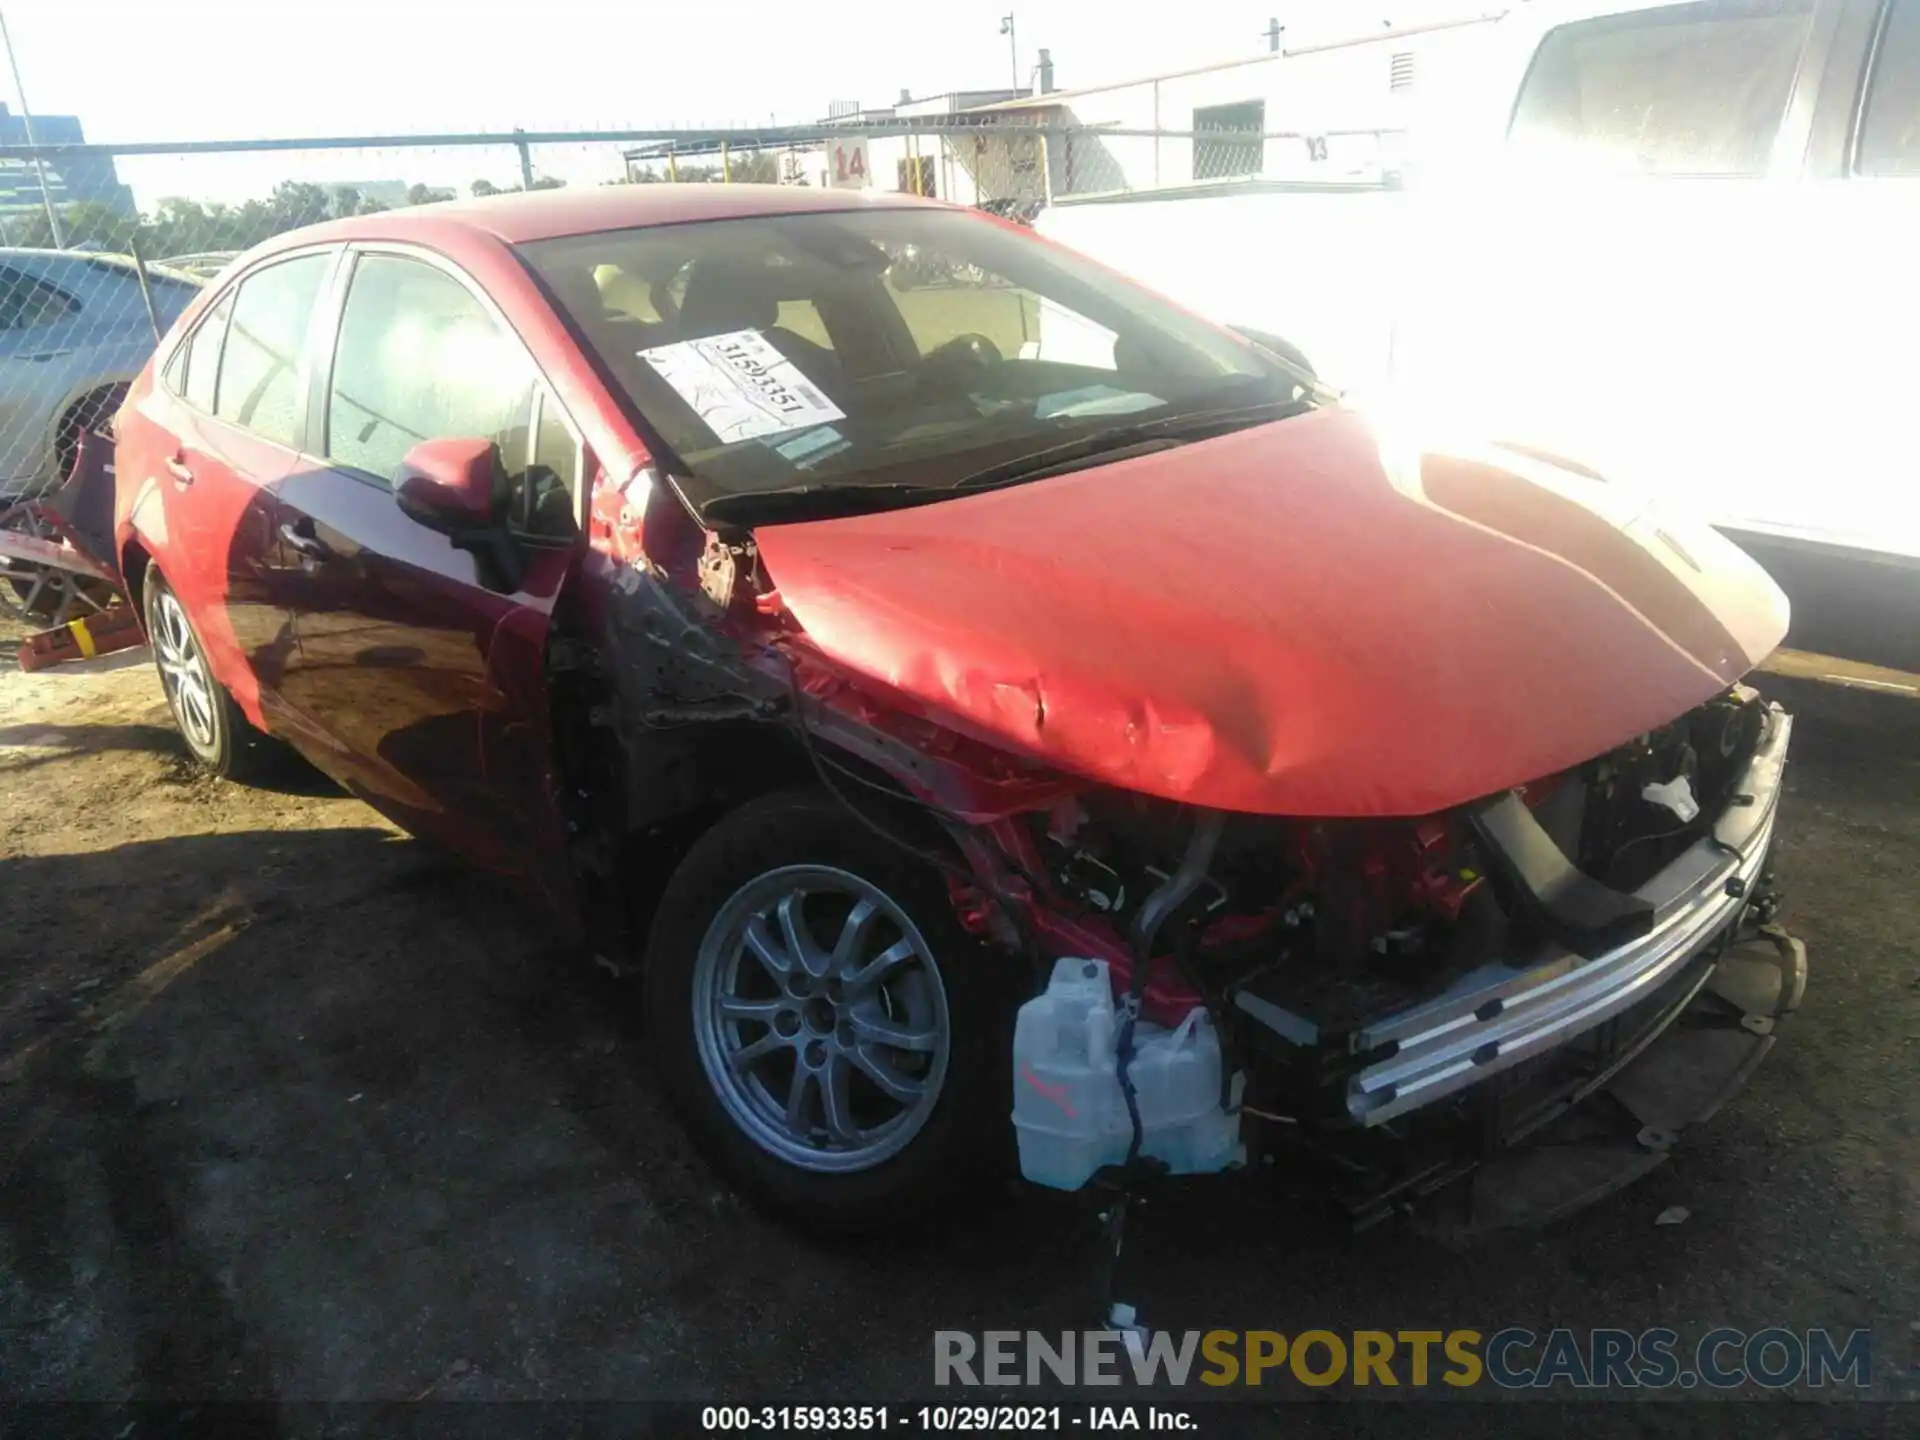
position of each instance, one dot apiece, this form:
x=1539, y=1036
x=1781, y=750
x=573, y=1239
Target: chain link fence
x=101, y=247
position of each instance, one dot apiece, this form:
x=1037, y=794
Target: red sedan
x=838, y=649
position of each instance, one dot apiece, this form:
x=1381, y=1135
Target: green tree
x=178, y=225
x=746, y=167
x=755, y=167
x=484, y=188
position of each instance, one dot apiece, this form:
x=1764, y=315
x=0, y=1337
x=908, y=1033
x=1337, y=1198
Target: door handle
x=302, y=543
x=177, y=468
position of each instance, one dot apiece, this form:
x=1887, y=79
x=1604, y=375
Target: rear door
x=213, y=440
x=37, y=363
x=424, y=690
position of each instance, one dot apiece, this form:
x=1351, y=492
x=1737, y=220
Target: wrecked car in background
x=74, y=329
x=1004, y=698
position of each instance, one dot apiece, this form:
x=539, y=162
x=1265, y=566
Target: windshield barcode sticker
x=740, y=386
x=811, y=447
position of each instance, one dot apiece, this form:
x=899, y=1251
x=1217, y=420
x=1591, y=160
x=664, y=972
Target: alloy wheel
x=820, y=1018
x=190, y=686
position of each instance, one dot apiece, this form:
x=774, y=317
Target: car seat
x=720, y=300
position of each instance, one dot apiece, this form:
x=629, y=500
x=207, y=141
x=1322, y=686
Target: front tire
x=832, y=1038
x=218, y=734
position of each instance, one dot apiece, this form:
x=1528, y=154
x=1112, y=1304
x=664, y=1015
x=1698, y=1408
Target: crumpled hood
x=1286, y=620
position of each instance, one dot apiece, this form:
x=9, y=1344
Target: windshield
x=889, y=349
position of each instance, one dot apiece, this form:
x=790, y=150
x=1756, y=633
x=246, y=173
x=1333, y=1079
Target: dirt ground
x=292, y=1108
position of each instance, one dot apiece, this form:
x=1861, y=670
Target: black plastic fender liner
x=1589, y=918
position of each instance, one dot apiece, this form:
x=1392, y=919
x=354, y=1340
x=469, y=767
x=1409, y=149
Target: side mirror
x=459, y=488
x=451, y=485
x=1292, y=359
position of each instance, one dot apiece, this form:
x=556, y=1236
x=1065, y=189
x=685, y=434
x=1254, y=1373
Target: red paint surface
x=548, y=214
x=1267, y=623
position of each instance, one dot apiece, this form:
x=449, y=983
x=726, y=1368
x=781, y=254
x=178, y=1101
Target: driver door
x=421, y=690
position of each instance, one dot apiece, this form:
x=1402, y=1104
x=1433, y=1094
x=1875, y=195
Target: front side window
x=1890, y=123
x=26, y=302
x=543, y=497
x=420, y=358
x=886, y=347
x=1684, y=90
x=260, y=373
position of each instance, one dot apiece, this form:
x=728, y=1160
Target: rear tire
x=836, y=1044
x=218, y=734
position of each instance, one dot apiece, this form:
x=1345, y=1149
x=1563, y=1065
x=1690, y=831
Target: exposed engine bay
x=1284, y=942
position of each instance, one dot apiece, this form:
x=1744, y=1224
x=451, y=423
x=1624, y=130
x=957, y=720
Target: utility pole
x=1273, y=32
x=1013, y=46
x=526, y=161
x=26, y=120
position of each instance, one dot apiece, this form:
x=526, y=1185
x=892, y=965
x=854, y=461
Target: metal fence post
x=1156, y=126
x=526, y=160
x=726, y=165
x=26, y=122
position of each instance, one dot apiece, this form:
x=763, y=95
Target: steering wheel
x=969, y=350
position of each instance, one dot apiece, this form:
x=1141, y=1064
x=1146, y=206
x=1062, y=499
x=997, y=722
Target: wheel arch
x=637, y=794
x=72, y=414
x=135, y=561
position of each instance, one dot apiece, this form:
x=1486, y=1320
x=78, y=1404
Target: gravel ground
x=294, y=1109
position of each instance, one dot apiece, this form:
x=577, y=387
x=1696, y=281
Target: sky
x=219, y=69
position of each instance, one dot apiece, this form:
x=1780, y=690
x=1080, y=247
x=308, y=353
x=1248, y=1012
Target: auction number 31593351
x=976, y=1419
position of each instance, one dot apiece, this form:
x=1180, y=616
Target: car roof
x=69, y=267
x=518, y=219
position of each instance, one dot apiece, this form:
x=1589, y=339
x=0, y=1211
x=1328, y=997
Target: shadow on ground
x=338, y=1122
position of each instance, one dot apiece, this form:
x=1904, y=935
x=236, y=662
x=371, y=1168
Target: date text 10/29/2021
x=944, y=1419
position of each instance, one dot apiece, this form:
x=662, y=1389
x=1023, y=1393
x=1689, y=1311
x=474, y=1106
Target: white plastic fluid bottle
x=1068, y=1109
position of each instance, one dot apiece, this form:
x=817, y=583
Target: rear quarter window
x=27, y=301
x=1681, y=90
x=197, y=370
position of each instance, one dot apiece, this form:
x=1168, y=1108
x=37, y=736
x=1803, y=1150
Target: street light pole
x=1013, y=46
x=26, y=119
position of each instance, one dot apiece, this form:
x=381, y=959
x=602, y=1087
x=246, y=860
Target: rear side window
x=259, y=385
x=203, y=357
x=1685, y=90
x=1890, y=123
x=26, y=301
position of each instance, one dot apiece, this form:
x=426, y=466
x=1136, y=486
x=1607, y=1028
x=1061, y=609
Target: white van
x=1686, y=252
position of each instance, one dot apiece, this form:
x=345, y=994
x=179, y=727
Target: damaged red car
x=999, y=708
